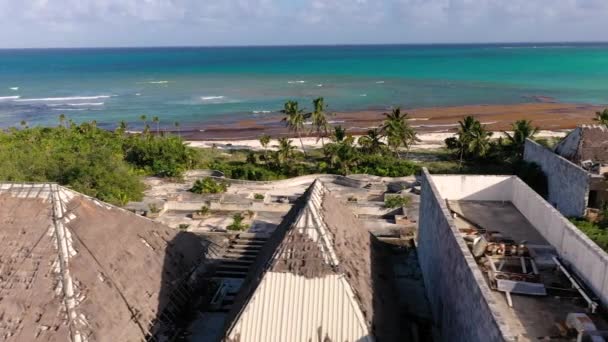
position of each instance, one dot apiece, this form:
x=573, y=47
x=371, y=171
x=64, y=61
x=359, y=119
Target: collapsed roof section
x=318, y=285
x=73, y=268
x=587, y=143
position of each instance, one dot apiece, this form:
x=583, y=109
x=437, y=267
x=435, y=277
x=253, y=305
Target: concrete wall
x=460, y=299
x=474, y=188
x=588, y=260
x=568, y=183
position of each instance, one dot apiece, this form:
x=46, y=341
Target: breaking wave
x=212, y=98
x=73, y=98
x=9, y=98
x=296, y=82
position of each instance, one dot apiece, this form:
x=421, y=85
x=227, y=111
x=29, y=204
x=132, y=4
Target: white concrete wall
x=474, y=188
x=588, y=260
x=568, y=184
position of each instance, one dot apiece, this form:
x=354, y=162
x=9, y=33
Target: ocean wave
x=296, y=82
x=9, y=98
x=69, y=109
x=14, y=88
x=212, y=98
x=87, y=104
x=320, y=85
x=379, y=82
x=72, y=98
x=261, y=111
x=158, y=82
x=363, y=95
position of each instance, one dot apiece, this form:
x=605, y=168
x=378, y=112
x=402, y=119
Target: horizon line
x=305, y=45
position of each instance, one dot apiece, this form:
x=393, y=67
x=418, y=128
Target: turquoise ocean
x=198, y=85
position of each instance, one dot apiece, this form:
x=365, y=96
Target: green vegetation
x=602, y=117
x=398, y=131
x=208, y=185
x=183, y=226
x=237, y=223
x=99, y=163
x=598, y=232
x=204, y=211
x=258, y=196
x=294, y=119
x=393, y=202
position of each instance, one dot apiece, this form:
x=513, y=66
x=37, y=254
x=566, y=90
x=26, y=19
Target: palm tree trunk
x=302, y=143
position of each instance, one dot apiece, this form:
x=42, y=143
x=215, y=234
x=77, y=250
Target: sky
x=109, y=23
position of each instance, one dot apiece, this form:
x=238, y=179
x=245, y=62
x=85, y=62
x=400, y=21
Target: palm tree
x=176, y=124
x=602, y=117
x=339, y=134
x=372, y=142
x=61, y=119
x=294, y=120
x=285, y=151
x=480, y=145
x=122, y=127
x=156, y=120
x=398, y=131
x=264, y=141
x=473, y=139
x=522, y=130
x=319, y=119
x=465, y=128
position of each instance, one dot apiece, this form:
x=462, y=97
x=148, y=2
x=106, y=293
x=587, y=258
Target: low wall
x=568, y=184
x=588, y=260
x=473, y=187
x=459, y=297
x=255, y=206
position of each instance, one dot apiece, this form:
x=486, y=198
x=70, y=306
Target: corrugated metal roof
x=288, y=307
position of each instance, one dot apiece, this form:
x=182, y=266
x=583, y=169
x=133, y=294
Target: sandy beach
x=547, y=116
x=427, y=141
x=434, y=125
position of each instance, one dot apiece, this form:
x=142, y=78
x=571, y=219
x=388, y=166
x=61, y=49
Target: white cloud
x=166, y=22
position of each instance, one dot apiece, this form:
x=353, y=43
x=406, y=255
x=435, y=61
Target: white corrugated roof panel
x=288, y=307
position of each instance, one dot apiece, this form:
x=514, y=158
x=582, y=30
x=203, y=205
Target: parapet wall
x=581, y=254
x=568, y=183
x=459, y=296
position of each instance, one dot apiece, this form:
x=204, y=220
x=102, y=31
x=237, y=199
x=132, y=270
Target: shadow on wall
x=386, y=319
x=182, y=255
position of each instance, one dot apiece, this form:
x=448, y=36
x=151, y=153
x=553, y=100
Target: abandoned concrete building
x=73, y=268
x=502, y=264
x=575, y=169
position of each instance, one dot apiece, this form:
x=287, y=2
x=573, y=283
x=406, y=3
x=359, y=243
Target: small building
x=73, y=268
x=575, y=170
x=502, y=264
x=319, y=282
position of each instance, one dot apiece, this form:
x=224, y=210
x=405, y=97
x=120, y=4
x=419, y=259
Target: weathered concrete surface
x=568, y=183
x=459, y=297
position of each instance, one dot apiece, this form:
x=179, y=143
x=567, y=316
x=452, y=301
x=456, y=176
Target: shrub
x=209, y=186
x=183, y=226
x=237, y=223
x=204, y=211
x=393, y=202
x=594, y=231
x=258, y=196
x=154, y=209
x=158, y=155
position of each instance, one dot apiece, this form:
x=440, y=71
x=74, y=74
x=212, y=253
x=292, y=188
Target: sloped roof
x=318, y=284
x=586, y=142
x=73, y=268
